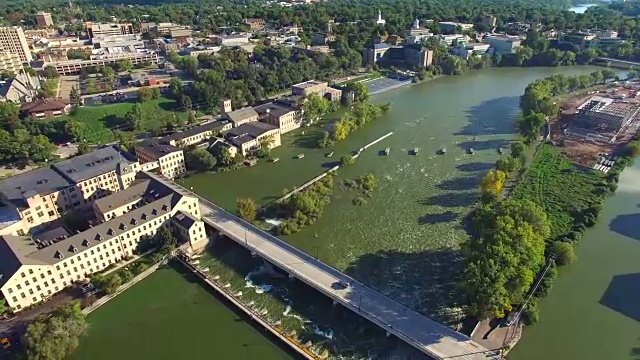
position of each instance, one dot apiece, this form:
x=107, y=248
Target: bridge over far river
x=430, y=337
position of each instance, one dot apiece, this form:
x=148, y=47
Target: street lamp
x=360, y=301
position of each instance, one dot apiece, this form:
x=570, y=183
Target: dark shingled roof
x=252, y=129
x=273, y=109
x=211, y=126
x=87, y=166
x=185, y=220
x=143, y=190
x=40, y=105
x=241, y=115
x=41, y=181
x=157, y=149
x=14, y=251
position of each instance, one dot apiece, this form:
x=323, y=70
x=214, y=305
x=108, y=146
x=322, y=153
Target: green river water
x=404, y=240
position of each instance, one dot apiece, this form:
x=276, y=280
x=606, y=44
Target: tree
x=166, y=241
x=135, y=117
x=185, y=102
x=126, y=139
x=50, y=72
x=517, y=148
x=633, y=149
x=530, y=125
x=503, y=258
x=109, y=74
x=200, y=160
x=314, y=107
x=111, y=283
x=124, y=65
x=40, y=148
x=508, y=164
x=565, y=252
x=74, y=96
x=155, y=93
x=49, y=88
x=144, y=94
x=248, y=209
x=192, y=118
x=57, y=336
x=360, y=91
x=491, y=185
x=176, y=88
x=83, y=148
x=347, y=160
x=3, y=307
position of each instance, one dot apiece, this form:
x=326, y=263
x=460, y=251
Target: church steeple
x=416, y=24
x=380, y=20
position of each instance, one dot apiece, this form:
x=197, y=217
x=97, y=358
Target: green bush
x=565, y=252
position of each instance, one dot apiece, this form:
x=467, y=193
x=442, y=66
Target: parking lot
x=382, y=84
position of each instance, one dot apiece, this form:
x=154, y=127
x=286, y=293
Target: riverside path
x=430, y=337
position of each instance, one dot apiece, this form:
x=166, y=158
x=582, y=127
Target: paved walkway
x=434, y=339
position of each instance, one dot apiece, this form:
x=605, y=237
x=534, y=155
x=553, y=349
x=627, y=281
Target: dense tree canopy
x=57, y=336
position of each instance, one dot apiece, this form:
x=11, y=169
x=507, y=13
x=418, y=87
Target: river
x=405, y=239
x=581, y=8
x=593, y=311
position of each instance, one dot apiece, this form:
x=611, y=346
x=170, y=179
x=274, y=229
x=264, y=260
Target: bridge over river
x=434, y=339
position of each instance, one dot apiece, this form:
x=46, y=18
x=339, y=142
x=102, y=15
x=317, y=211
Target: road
x=434, y=339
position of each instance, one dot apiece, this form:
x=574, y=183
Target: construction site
x=597, y=123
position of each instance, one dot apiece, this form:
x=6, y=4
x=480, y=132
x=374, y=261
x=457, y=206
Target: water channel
x=405, y=240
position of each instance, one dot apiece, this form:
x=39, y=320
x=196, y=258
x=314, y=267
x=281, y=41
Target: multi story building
x=42, y=195
x=180, y=35
x=71, y=67
x=449, y=27
x=250, y=136
x=166, y=45
x=108, y=29
x=241, y=116
x=170, y=158
x=10, y=62
x=503, y=44
x=316, y=87
x=197, y=134
x=467, y=50
x=13, y=40
x=33, y=268
x=416, y=34
x=44, y=19
x=255, y=24
x=282, y=116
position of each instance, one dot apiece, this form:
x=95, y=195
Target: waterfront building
x=241, y=116
x=39, y=196
x=503, y=44
x=35, y=267
x=45, y=108
x=170, y=158
x=284, y=117
x=197, y=134
x=249, y=137
x=107, y=29
x=13, y=40
x=316, y=87
x=321, y=39
x=44, y=19
x=232, y=40
x=467, y=50
x=412, y=54
x=416, y=34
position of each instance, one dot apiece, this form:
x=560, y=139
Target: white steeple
x=380, y=20
x=416, y=24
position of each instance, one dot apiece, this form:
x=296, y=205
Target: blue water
x=579, y=9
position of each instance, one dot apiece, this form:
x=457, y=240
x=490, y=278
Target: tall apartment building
x=44, y=19
x=33, y=268
x=13, y=40
x=170, y=158
x=10, y=62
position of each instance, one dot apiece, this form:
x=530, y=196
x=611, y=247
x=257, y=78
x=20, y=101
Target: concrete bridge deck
x=434, y=339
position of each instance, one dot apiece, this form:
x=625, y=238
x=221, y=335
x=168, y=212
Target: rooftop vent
x=154, y=212
x=144, y=216
x=123, y=226
x=165, y=207
x=111, y=231
x=98, y=237
x=59, y=255
x=73, y=248
x=134, y=221
x=86, y=243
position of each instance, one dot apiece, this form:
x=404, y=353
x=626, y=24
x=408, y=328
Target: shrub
x=359, y=201
x=565, y=252
x=347, y=160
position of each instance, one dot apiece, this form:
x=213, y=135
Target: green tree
x=517, y=149
x=3, y=307
x=144, y=94
x=109, y=74
x=565, y=252
x=185, y=102
x=491, y=185
x=314, y=107
x=360, y=91
x=50, y=72
x=83, y=148
x=124, y=65
x=530, y=125
x=135, y=117
x=166, y=241
x=200, y=160
x=155, y=93
x=248, y=209
x=176, y=88
x=40, y=148
x=633, y=149
x=346, y=160
x=502, y=260
x=74, y=96
x=508, y=164
x=57, y=336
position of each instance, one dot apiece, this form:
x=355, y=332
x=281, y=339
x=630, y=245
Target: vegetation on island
x=346, y=160
x=56, y=336
x=539, y=218
x=364, y=184
x=360, y=115
x=248, y=209
x=305, y=207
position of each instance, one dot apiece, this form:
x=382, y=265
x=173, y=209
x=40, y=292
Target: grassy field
x=98, y=121
x=561, y=187
x=170, y=316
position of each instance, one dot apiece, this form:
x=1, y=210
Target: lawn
x=561, y=187
x=170, y=316
x=99, y=121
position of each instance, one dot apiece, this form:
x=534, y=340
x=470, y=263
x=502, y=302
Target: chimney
x=226, y=106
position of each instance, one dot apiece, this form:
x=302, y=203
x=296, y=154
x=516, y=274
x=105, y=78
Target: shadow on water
x=491, y=118
x=432, y=219
x=460, y=199
x=475, y=166
x=425, y=281
x=478, y=145
x=626, y=225
x=623, y=295
x=461, y=183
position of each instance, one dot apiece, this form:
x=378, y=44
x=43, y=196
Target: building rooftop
x=87, y=166
x=210, y=126
x=41, y=105
x=157, y=149
x=42, y=181
x=381, y=46
x=143, y=190
x=18, y=250
x=309, y=83
x=241, y=115
x=252, y=129
x=273, y=109
x=185, y=220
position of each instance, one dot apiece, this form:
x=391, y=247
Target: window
x=34, y=279
x=30, y=272
x=38, y=288
x=41, y=276
x=46, y=284
x=72, y=261
x=48, y=272
x=30, y=291
x=19, y=287
x=34, y=299
x=10, y=290
x=53, y=281
x=26, y=282
x=68, y=272
x=15, y=299
x=52, y=213
x=22, y=295
x=40, y=214
x=23, y=275
x=65, y=264
x=58, y=267
x=61, y=276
